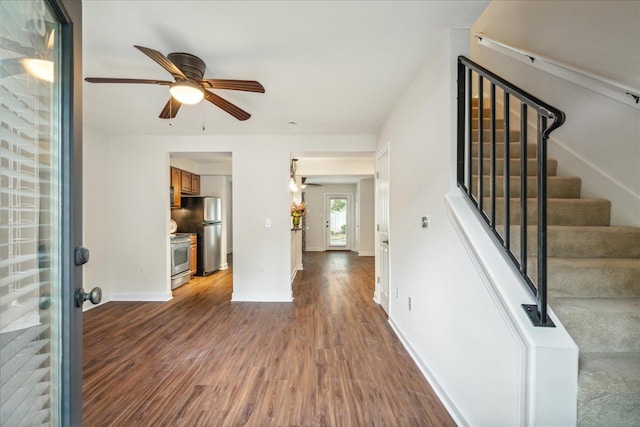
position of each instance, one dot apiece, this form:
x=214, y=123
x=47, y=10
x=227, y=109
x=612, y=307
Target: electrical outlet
x=397, y=292
x=409, y=303
x=143, y=271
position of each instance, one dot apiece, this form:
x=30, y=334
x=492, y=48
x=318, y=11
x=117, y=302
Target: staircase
x=593, y=277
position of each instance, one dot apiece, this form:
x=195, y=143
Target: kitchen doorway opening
x=211, y=177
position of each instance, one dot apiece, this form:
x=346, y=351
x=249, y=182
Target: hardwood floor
x=327, y=359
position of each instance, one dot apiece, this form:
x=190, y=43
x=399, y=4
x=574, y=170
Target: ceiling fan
x=189, y=86
x=309, y=184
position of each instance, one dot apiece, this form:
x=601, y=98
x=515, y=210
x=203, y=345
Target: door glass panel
x=338, y=221
x=30, y=307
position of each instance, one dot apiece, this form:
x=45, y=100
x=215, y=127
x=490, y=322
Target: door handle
x=95, y=296
x=385, y=241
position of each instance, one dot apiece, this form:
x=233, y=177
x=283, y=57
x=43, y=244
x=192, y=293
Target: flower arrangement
x=298, y=209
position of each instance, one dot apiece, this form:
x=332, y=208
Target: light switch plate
x=267, y=222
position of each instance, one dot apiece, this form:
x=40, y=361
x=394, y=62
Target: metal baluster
x=480, y=142
x=542, y=220
x=523, y=189
x=492, y=154
x=507, y=174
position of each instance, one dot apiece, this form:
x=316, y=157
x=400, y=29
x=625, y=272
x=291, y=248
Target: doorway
x=338, y=222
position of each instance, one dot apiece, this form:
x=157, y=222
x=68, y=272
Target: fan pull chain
x=202, y=108
x=170, y=115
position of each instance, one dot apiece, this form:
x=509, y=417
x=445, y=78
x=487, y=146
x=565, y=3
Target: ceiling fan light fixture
x=39, y=68
x=186, y=92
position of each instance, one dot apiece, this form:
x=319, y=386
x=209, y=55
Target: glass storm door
x=40, y=356
x=337, y=217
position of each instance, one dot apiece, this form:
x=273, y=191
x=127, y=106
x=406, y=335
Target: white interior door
x=338, y=220
x=382, y=234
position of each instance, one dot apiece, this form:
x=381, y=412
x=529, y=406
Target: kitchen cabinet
x=183, y=183
x=185, y=186
x=193, y=261
x=195, y=184
x=176, y=183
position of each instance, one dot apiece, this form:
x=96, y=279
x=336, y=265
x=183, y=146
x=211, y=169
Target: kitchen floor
x=328, y=358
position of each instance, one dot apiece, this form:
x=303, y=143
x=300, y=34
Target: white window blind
x=28, y=218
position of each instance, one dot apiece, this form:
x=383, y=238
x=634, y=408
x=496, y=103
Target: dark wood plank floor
x=327, y=359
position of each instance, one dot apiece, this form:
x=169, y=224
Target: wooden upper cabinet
x=195, y=184
x=176, y=183
x=186, y=182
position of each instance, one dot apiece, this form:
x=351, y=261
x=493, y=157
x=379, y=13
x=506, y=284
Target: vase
x=296, y=222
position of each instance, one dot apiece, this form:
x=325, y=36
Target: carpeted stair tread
x=514, y=165
x=514, y=149
x=558, y=187
x=592, y=277
x=486, y=122
x=568, y=241
x=559, y=211
x=601, y=324
x=609, y=389
x=514, y=135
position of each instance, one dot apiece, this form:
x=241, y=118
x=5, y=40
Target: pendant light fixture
x=293, y=185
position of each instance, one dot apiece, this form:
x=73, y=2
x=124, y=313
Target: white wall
x=600, y=140
x=315, y=219
x=137, y=214
x=456, y=328
x=366, y=221
x=95, y=212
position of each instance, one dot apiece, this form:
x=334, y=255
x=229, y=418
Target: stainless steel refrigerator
x=203, y=216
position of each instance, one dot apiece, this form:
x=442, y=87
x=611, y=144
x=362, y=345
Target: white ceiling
x=333, y=67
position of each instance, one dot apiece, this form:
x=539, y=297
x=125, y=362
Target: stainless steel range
x=180, y=259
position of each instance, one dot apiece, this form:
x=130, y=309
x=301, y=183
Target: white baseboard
x=365, y=253
x=261, y=297
x=433, y=382
x=224, y=266
x=229, y=251
x=142, y=297
x=314, y=249
x=293, y=274
x=89, y=306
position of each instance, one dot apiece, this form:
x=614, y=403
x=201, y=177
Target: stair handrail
x=466, y=69
x=595, y=82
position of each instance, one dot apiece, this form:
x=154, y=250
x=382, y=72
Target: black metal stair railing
x=473, y=81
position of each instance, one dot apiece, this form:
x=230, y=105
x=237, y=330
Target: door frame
x=69, y=13
x=379, y=255
x=350, y=214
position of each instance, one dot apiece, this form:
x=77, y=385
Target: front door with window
x=338, y=210
x=40, y=327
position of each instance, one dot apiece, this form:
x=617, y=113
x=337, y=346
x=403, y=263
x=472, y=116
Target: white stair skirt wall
x=549, y=355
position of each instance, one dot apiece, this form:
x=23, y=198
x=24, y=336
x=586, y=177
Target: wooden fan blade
x=170, y=109
x=245, y=85
x=163, y=61
x=235, y=111
x=116, y=80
